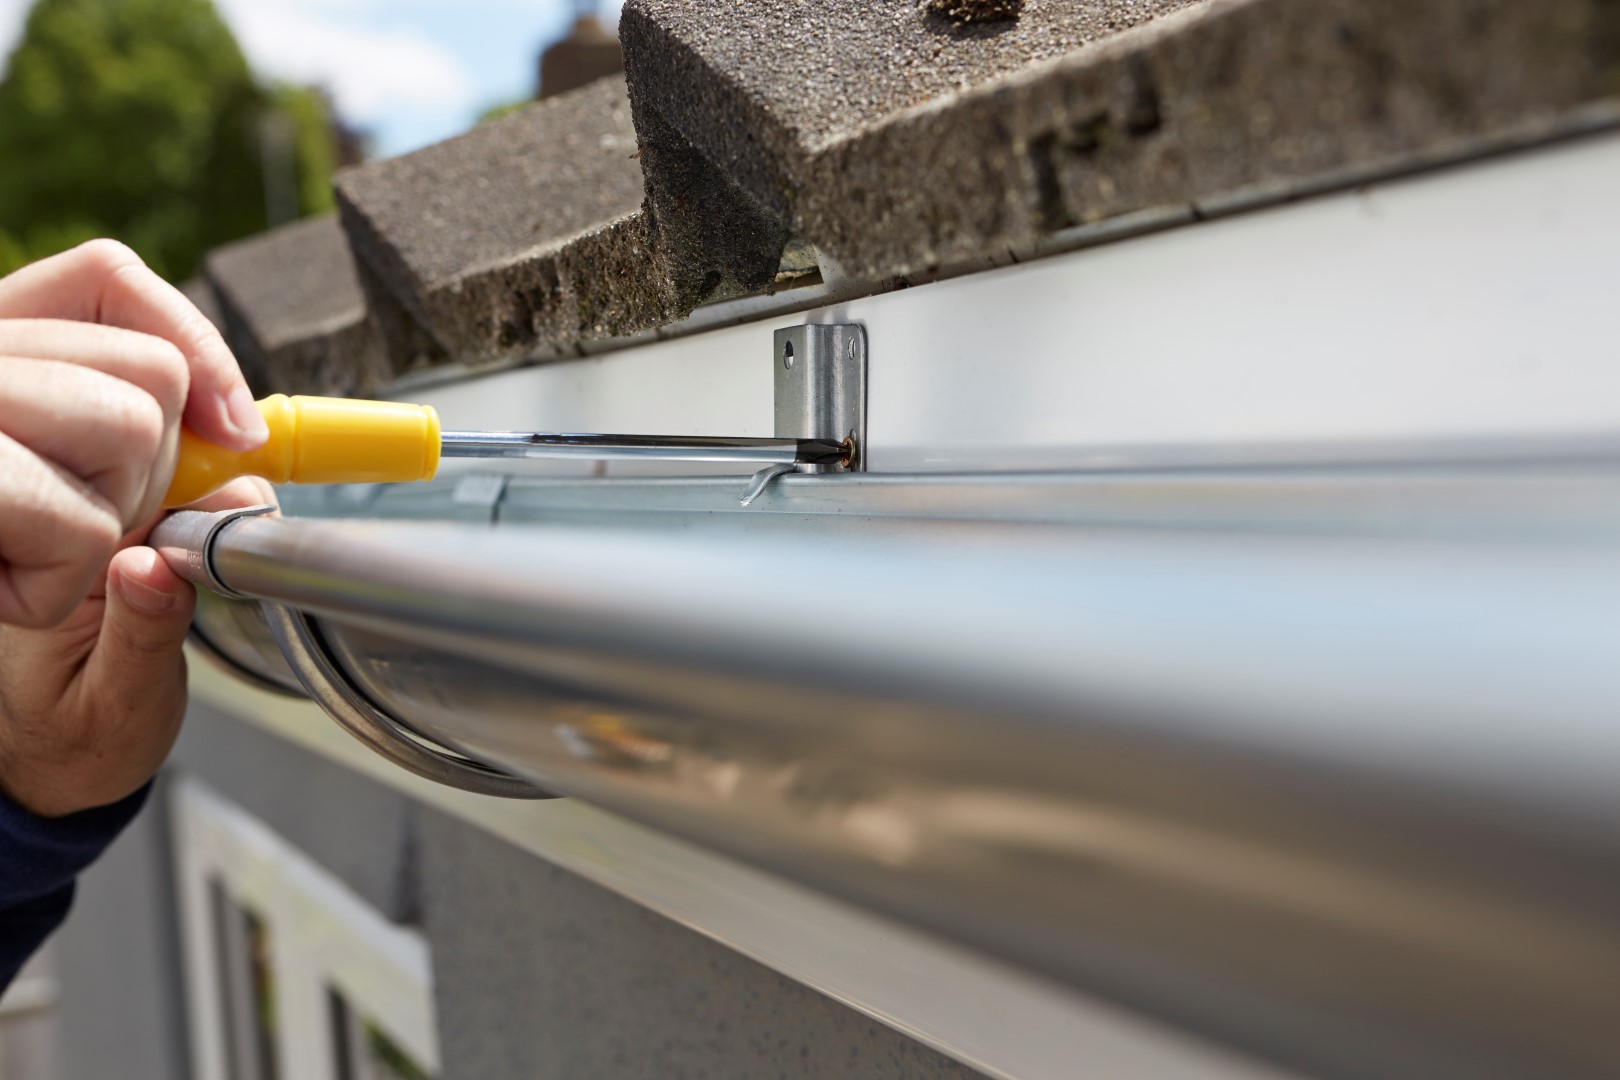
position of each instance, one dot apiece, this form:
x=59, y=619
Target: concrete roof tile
x=496, y=241
x=292, y=310
x=897, y=139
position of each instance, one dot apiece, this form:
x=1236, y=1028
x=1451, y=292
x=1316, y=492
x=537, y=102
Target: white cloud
x=366, y=69
x=319, y=42
x=12, y=15
x=381, y=60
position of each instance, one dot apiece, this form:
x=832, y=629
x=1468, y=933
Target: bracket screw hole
x=852, y=349
x=787, y=355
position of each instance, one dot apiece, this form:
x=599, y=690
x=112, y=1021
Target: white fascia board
x=1471, y=305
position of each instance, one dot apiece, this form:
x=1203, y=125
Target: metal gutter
x=1317, y=760
x=1189, y=770
x=1007, y=1023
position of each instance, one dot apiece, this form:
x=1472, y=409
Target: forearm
x=101, y=365
x=39, y=860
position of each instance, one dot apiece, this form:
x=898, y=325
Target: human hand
x=100, y=361
x=90, y=707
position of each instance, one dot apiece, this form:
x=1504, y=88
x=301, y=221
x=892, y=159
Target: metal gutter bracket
x=820, y=379
x=186, y=541
x=331, y=688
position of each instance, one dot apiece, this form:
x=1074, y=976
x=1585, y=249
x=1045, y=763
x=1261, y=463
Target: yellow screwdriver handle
x=316, y=440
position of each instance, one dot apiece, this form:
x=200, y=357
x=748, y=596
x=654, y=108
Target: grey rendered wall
x=542, y=974
x=121, y=1009
x=539, y=973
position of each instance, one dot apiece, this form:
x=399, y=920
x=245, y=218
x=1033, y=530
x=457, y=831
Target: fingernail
x=143, y=597
x=245, y=416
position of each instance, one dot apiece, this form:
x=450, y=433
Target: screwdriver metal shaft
x=525, y=444
x=343, y=441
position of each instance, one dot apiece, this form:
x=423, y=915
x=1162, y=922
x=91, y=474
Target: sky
x=409, y=72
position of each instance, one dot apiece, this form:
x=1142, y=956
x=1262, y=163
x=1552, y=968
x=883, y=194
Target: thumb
x=148, y=613
x=131, y=693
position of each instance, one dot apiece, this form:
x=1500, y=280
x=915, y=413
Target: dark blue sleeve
x=39, y=858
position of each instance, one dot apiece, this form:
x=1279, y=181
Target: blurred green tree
x=140, y=120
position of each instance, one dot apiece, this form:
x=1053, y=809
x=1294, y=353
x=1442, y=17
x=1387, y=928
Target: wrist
x=53, y=792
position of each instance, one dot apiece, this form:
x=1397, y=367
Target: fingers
x=147, y=617
x=151, y=363
x=148, y=606
x=131, y=693
x=104, y=282
x=56, y=534
x=145, y=362
x=107, y=432
x=90, y=709
x=243, y=491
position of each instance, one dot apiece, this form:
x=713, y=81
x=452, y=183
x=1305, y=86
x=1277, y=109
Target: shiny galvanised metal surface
x=820, y=386
x=1348, y=802
x=311, y=661
x=527, y=444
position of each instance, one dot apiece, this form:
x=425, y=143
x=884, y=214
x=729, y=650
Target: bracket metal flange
x=820, y=373
x=821, y=387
